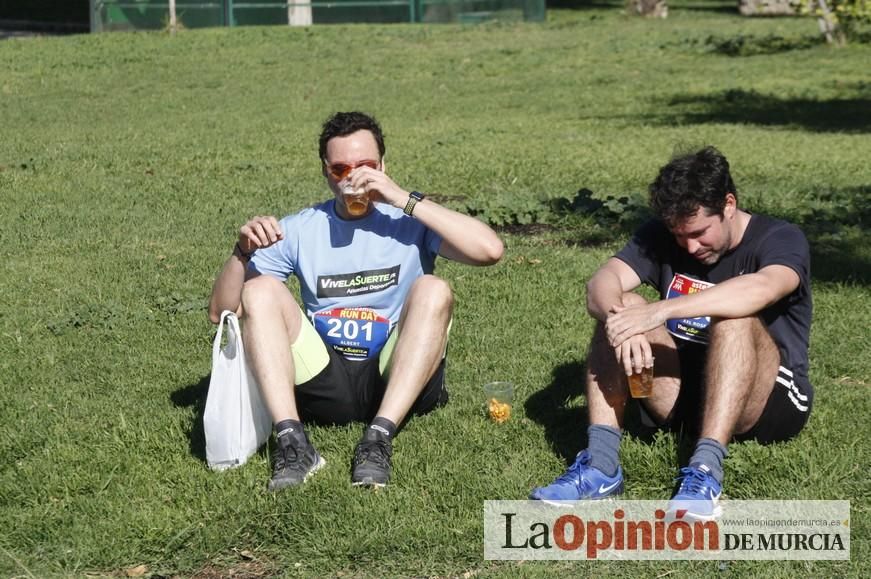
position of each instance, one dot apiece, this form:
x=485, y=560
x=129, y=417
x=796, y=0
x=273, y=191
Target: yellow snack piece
x=499, y=411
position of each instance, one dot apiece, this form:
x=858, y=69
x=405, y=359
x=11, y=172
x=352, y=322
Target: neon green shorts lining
x=310, y=354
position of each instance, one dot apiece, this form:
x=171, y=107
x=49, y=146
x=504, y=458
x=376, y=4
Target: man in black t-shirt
x=729, y=336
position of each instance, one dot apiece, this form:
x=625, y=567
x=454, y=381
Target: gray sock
x=384, y=426
x=604, y=446
x=710, y=453
x=290, y=427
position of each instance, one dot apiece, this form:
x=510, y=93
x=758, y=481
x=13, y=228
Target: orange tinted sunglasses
x=340, y=171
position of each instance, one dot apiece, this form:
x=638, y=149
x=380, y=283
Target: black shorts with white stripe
x=786, y=411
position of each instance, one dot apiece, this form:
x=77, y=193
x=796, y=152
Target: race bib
x=692, y=329
x=355, y=333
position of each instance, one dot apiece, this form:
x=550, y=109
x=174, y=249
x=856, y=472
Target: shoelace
x=692, y=481
x=573, y=473
x=283, y=459
x=376, y=451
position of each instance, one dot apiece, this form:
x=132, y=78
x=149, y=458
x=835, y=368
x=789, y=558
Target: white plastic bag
x=236, y=422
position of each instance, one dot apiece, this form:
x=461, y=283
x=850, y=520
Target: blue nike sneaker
x=580, y=482
x=697, y=495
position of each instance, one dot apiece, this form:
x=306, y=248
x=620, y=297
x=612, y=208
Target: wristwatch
x=413, y=198
x=242, y=255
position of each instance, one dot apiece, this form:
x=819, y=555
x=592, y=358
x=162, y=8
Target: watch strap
x=413, y=198
x=238, y=251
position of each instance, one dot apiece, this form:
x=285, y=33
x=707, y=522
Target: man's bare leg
x=596, y=473
x=423, y=334
x=739, y=376
x=608, y=391
x=607, y=385
x=272, y=324
x=740, y=370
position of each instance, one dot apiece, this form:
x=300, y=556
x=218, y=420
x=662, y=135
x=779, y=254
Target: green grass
x=128, y=162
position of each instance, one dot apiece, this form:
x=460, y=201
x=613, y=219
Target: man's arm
x=464, y=238
x=227, y=289
x=258, y=233
x=607, y=286
x=604, y=294
x=739, y=297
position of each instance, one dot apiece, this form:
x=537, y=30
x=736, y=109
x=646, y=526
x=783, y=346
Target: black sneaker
x=295, y=461
x=372, y=460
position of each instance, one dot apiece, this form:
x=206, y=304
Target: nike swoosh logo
x=603, y=489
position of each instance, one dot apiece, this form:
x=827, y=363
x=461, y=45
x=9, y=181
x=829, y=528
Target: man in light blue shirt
x=371, y=344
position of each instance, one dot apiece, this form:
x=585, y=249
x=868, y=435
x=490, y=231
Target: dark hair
x=691, y=181
x=344, y=124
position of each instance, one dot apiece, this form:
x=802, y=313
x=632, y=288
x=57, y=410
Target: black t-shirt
x=660, y=262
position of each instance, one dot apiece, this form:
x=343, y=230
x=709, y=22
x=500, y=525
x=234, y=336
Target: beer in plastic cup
x=356, y=200
x=641, y=383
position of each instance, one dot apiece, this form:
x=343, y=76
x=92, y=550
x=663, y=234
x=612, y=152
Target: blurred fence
x=154, y=14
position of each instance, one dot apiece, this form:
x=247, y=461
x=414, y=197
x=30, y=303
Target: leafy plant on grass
x=610, y=209
x=606, y=210
x=838, y=19
x=752, y=45
x=510, y=209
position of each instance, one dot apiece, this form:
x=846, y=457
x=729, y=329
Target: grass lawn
x=128, y=162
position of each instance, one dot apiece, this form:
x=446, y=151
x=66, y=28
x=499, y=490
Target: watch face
x=413, y=198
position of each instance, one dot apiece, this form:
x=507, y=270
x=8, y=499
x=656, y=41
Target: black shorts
x=351, y=391
x=783, y=417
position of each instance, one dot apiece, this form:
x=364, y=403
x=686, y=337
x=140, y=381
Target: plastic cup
x=641, y=383
x=356, y=200
x=498, y=398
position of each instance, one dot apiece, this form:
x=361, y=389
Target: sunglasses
x=340, y=171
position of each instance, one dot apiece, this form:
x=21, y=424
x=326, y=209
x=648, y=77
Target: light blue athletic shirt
x=354, y=274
